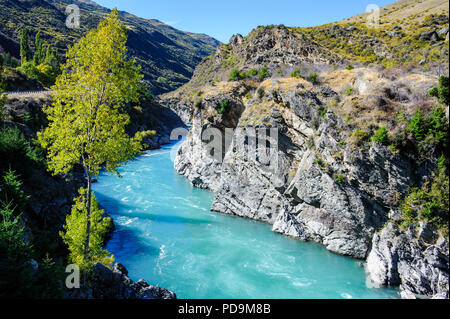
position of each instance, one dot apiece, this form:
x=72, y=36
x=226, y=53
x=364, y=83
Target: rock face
x=303, y=196
x=414, y=259
x=115, y=284
x=316, y=178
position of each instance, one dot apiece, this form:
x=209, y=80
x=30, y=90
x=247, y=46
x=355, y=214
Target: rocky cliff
x=320, y=177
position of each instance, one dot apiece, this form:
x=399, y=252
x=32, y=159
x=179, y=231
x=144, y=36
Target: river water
x=167, y=235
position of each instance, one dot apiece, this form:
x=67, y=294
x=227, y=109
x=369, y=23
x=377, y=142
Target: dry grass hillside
x=413, y=10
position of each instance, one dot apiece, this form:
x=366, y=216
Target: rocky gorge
x=330, y=184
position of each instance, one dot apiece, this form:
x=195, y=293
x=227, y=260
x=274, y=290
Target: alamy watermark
x=73, y=16
x=373, y=19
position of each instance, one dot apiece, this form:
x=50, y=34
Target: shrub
x=359, y=136
x=17, y=153
x=349, y=67
x=223, y=107
x=235, y=75
x=296, y=74
x=339, y=178
x=11, y=192
x=15, y=253
x=264, y=73
x=429, y=203
x=323, y=113
x=319, y=161
x=442, y=91
x=349, y=91
x=313, y=78
x=381, y=136
x=248, y=95
x=253, y=72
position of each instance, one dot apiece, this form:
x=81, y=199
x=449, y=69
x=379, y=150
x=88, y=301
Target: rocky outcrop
x=115, y=284
x=415, y=259
x=325, y=184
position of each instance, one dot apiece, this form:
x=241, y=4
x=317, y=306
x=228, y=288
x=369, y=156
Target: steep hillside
x=412, y=35
x=168, y=56
x=360, y=155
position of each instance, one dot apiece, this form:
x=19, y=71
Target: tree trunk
x=88, y=221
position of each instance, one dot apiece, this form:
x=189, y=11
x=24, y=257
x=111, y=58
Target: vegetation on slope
x=163, y=52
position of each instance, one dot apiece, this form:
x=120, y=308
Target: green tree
x=417, y=125
x=3, y=96
x=442, y=90
x=15, y=253
x=39, y=53
x=381, y=136
x=86, y=125
x=75, y=234
x=25, y=51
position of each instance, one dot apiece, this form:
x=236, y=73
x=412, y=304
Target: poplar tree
x=86, y=119
x=25, y=52
x=39, y=54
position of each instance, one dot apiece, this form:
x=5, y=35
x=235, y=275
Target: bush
x=235, y=75
x=296, y=74
x=17, y=153
x=223, y=107
x=253, y=72
x=359, y=136
x=442, y=91
x=349, y=67
x=381, y=136
x=313, y=78
x=15, y=253
x=349, y=91
x=339, y=178
x=429, y=203
x=264, y=73
x=319, y=161
x=12, y=193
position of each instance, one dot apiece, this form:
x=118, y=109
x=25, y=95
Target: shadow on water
x=112, y=206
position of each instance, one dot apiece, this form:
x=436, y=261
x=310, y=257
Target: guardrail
x=26, y=92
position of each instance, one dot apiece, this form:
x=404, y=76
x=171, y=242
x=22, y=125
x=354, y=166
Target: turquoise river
x=166, y=234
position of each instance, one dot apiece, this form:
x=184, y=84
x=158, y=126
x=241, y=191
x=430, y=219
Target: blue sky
x=222, y=19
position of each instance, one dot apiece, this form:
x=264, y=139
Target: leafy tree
x=12, y=192
x=25, y=51
x=39, y=53
x=86, y=125
x=442, y=90
x=15, y=253
x=75, y=235
x=3, y=96
x=429, y=202
x=437, y=124
x=417, y=125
